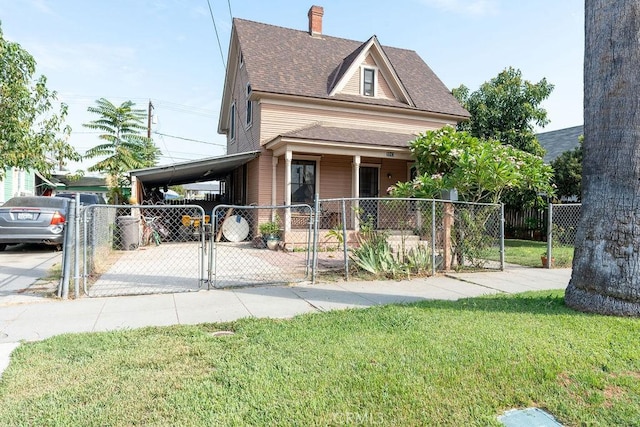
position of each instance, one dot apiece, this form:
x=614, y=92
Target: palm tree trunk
x=606, y=265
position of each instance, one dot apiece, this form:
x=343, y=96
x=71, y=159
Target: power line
x=189, y=139
x=166, y=148
x=217, y=35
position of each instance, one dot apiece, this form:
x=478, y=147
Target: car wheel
x=3, y=246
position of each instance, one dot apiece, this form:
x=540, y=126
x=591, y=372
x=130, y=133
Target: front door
x=369, y=188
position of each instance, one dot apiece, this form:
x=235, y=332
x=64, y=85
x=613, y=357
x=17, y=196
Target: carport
x=226, y=169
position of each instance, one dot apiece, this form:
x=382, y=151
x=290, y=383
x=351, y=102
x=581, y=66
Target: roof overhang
x=48, y=182
x=320, y=139
x=209, y=169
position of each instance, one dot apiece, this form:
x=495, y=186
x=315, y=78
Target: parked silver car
x=33, y=219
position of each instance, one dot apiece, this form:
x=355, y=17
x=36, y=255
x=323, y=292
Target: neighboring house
x=328, y=116
x=61, y=182
x=557, y=142
x=17, y=182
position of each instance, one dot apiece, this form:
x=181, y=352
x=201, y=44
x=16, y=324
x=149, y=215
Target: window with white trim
x=249, y=107
x=368, y=81
x=232, y=122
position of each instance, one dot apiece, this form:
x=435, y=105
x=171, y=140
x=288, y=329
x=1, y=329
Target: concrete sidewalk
x=38, y=318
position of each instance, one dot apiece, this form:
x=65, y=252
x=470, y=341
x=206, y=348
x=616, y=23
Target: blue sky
x=166, y=51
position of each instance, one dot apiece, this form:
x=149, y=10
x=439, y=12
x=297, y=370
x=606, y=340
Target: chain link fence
x=142, y=249
x=254, y=245
x=145, y=249
x=404, y=237
x=561, y=236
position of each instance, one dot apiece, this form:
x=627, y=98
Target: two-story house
x=328, y=115
x=306, y=113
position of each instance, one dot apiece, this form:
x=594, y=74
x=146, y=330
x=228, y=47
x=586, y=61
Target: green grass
x=431, y=363
x=528, y=253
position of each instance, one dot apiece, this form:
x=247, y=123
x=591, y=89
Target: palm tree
x=606, y=265
x=125, y=147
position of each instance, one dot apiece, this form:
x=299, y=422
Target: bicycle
x=150, y=231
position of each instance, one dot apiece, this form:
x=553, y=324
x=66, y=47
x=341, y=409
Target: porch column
x=356, y=190
x=287, y=189
x=274, y=188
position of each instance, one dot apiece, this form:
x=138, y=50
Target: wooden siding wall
x=261, y=182
x=335, y=176
x=246, y=137
x=278, y=119
x=370, y=61
x=353, y=85
x=383, y=90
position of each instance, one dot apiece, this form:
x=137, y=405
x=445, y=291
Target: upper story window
x=368, y=81
x=232, y=122
x=249, y=106
x=241, y=60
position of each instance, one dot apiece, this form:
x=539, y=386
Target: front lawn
x=431, y=363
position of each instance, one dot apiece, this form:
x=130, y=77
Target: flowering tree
x=481, y=170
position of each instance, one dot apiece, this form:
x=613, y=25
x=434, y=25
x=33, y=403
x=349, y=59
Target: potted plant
x=270, y=231
x=544, y=260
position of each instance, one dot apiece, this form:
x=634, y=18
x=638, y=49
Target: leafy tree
x=567, y=173
x=125, y=147
x=481, y=170
x=606, y=264
x=505, y=109
x=32, y=135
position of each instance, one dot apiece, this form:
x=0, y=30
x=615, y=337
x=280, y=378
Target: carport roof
x=208, y=169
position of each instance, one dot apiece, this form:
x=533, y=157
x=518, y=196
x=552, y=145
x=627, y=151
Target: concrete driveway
x=20, y=267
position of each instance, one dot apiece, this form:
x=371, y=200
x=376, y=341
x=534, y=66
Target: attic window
x=368, y=82
x=241, y=59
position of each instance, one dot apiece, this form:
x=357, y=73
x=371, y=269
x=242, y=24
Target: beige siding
x=279, y=119
x=335, y=177
x=398, y=171
x=247, y=137
x=263, y=180
x=370, y=61
x=383, y=88
x=353, y=85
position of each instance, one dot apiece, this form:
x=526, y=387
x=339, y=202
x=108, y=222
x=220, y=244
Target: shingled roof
x=359, y=136
x=291, y=62
x=557, y=142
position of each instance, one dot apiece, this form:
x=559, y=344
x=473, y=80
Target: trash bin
x=129, y=233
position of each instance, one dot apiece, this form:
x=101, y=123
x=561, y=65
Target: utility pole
x=149, y=119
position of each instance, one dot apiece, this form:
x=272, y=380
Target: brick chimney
x=315, y=20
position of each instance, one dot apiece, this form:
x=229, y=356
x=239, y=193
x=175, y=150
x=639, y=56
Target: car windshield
x=36, y=202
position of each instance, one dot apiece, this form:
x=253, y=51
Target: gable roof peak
x=351, y=64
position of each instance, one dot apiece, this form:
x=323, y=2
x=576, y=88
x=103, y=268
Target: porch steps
x=396, y=239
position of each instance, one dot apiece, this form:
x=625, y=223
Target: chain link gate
x=142, y=249
x=561, y=233
x=256, y=245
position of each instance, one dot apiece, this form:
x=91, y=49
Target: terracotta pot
x=544, y=261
